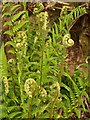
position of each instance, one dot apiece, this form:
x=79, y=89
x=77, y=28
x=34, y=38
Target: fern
x=19, y=26
x=14, y=7
x=14, y=27
x=40, y=59
x=75, y=14
x=65, y=23
x=13, y=18
x=3, y=75
x=16, y=16
x=76, y=92
x=3, y=62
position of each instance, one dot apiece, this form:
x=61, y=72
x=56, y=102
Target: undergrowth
x=36, y=83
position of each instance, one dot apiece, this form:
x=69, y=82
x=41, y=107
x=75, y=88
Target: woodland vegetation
x=44, y=58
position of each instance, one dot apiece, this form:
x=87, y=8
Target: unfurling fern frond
x=38, y=8
x=67, y=41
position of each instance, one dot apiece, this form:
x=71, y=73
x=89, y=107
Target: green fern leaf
x=6, y=14
x=66, y=87
x=80, y=81
x=80, y=100
x=6, y=6
x=10, y=43
x=3, y=62
x=16, y=16
x=40, y=109
x=75, y=14
x=12, y=51
x=3, y=114
x=15, y=114
x=8, y=23
x=19, y=26
x=60, y=25
x=78, y=112
x=9, y=32
x=53, y=35
x=84, y=93
x=82, y=10
x=68, y=101
x=13, y=108
x=73, y=98
x=14, y=7
x=77, y=91
x=56, y=29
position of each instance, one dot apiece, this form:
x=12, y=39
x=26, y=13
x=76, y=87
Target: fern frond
x=14, y=7
x=3, y=62
x=15, y=114
x=68, y=101
x=78, y=112
x=72, y=94
x=8, y=23
x=7, y=5
x=56, y=29
x=10, y=43
x=19, y=26
x=77, y=91
x=80, y=81
x=75, y=14
x=66, y=87
x=6, y=14
x=53, y=35
x=16, y=16
x=73, y=98
x=80, y=101
x=84, y=93
x=9, y=32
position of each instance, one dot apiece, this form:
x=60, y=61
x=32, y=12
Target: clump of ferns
x=16, y=31
x=60, y=33
x=37, y=96
x=74, y=93
x=43, y=101
x=65, y=22
x=18, y=37
x=18, y=40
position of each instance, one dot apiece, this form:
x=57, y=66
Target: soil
x=74, y=58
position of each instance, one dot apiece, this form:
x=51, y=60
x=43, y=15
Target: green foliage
x=3, y=78
x=76, y=92
x=3, y=62
x=38, y=84
x=65, y=23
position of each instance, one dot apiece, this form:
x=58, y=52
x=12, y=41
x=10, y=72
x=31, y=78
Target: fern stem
x=13, y=81
x=24, y=5
x=30, y=106
x=42, y=48
x=19, y=80
x=52, y=106
x=41, y=69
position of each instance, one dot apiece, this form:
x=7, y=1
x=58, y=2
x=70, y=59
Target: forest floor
x=74, y=58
